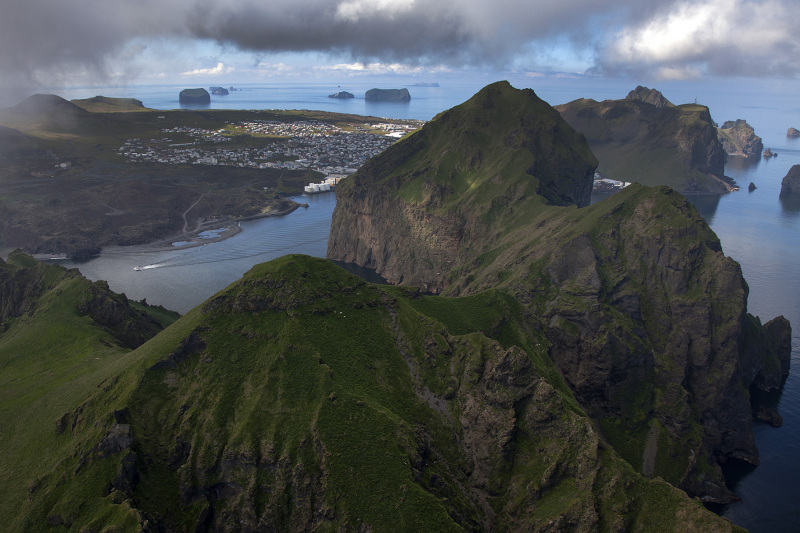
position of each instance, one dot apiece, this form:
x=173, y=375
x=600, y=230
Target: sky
x=58, y=43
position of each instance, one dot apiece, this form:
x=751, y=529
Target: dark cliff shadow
x=741, y=164
x=790, y=205
x=706, y=205
x=367, y=274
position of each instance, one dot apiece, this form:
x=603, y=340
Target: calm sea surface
x=757, y=229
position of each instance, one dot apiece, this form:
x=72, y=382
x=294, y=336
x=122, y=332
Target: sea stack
x=791, y=182
x=793, y=132
x=194, y=96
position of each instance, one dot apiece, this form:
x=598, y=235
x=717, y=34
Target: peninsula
x=644, y=139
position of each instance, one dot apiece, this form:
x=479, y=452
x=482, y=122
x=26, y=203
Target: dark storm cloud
x=48, y=41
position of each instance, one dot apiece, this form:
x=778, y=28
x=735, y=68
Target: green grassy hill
x=303, y=398
x=63, y=338
x=105, y=104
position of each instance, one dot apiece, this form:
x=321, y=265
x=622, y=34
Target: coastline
x=192, y=239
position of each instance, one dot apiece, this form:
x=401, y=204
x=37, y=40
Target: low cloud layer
x=52, y=41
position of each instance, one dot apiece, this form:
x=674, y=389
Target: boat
x=138, y=268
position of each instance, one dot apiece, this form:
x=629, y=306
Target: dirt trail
x=185, y=221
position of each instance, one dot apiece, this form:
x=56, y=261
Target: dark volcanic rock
x=387, y=95
x=194, y=96
x=751, y=187
x=739, y=138
x=791, y=182
x=342, y=95
x=650, y=96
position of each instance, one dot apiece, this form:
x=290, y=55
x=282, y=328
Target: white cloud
x=383, y=68
x=220, y=68
x=353, y=10
x=714, y=36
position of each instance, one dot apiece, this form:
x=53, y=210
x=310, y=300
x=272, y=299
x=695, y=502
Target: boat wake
x=218, y=252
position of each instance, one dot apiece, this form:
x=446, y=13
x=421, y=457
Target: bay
x=758, y=229
x=182, y=279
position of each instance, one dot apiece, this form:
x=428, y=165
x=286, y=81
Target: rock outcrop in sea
x=387, y=95
x=791, y=182
x=194, y=96
x=342, y=95
x=739, y=139
x=793, y=132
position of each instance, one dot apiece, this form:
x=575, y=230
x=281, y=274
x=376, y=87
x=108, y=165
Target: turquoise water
x=758, y=229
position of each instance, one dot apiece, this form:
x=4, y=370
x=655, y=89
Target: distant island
x=194, y=96
x=387, y=95
x=422, y=84
x=793, y=132
x=342, y=95
x=219, y=91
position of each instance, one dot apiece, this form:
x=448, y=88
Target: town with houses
x=333, y=151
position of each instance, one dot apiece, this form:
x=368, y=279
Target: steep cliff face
x=448, y=187
x=645, y=316
x=739, y=138
x=636, y=141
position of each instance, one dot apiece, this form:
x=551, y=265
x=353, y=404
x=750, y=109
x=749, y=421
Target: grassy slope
x=51, y=358
x=104, y=104
x=317, y=427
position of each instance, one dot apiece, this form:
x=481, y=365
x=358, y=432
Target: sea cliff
x=637, y=141
x=645, y=316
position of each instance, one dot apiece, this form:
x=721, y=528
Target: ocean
x=757, y=229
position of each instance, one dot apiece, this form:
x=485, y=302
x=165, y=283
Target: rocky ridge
x=645, y=316
x=649, y=96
